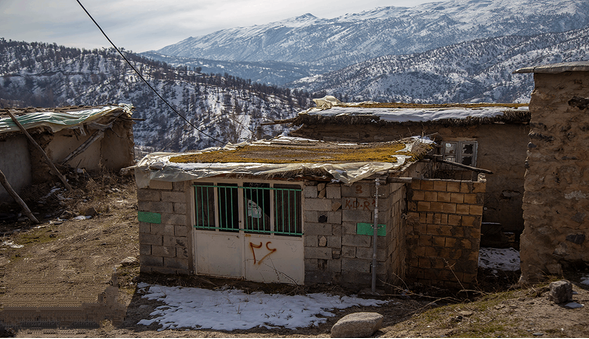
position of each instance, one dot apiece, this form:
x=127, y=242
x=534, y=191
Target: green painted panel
x=365, y=228
x=150, y=217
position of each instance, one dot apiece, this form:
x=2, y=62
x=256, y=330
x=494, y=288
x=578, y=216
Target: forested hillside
x=225, y=107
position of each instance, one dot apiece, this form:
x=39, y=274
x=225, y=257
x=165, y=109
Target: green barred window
x=266, y=208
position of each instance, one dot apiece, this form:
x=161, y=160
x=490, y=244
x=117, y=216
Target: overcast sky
x=142, y=25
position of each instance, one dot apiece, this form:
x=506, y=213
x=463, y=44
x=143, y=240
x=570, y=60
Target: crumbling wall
x=443, y=231
x=15, y=163
x=556, y=199
x=164, y=225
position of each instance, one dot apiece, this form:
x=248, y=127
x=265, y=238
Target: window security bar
x=216, y=208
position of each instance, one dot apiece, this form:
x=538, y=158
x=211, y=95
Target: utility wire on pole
x=142, y=78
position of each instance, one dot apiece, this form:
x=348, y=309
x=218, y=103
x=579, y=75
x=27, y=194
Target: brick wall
x=165, y=244
x=443, y=231
x=334, y=252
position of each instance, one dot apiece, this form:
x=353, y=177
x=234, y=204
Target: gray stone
x=128, y=261
x=357, y=325
x=561, y=291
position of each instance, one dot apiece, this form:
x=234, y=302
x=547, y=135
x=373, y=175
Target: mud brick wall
x=443, y=231
x=556, y=198
x=334, y=252
x=164, y=225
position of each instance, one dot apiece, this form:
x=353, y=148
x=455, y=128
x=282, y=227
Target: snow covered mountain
x=226, y=108
x=474, y=71
x=353, y=38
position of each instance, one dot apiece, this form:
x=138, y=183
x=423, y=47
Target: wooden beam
x=472, y=168
x=34, y=143
x=97, y=135
x=16, y=197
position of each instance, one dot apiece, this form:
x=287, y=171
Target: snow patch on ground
x=232, y=309
x=585, y=280
x=503, y=259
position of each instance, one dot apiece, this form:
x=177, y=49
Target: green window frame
x=267, y=208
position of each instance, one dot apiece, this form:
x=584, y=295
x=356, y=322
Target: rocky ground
x=68, y=259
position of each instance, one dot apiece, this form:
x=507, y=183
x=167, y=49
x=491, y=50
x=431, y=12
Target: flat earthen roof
x=574, y=66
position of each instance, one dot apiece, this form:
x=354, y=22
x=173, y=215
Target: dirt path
x=70, y=262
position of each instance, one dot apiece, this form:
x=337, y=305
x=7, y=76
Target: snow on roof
x=58, y=118
x=573, y=66
x=412, y=114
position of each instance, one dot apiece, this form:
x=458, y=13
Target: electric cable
x=142, y=78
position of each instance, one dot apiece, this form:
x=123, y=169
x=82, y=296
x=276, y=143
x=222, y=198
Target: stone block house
x=488, y=136
x=82, y=137
x=556, y=198
x=302, y=211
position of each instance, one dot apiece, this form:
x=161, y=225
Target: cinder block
x=181, y=231
x=366, y=253
x=181, y=186
x=334, y=217
x=337, y=230
x=466, y=187
x=148, y=260
x=150, y=239
x=174, y=196
x=145, y=194
x=317, y=229
x=357, y=216
x=180, y=208
x=164, y=270
x=318, y=252
x=181, y=252
x=176, y=263
x=175, y=241
x=310, y=216
x=310, y=240
x=160, y=185
x=310, y=191
x=479, y=187
x=415, y=184
x=174, y=219
x=348, y=251
x=163, y=251
x=439, y=241
x=355, y=265
x=356, y=240
x=162, y=229
x=144, y=227
x=334, y=265
x=334, y=241
x=144, y=249
x=334, y=192
x=321, y=205
x=155, y=206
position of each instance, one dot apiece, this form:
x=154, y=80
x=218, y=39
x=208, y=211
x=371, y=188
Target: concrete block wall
x=443, y=231
x=165, y=247
x=334, y=252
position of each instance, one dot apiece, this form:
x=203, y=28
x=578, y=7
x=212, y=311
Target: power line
x=142, y=78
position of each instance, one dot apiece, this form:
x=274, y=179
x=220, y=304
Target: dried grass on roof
x=281, y=154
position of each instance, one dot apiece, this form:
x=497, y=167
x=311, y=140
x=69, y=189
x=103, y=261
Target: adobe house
x=556, y=198
x=302, y=211
x=81, y=137
x=489, y=136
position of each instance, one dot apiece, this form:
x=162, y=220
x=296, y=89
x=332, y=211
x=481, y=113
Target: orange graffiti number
x=252, y=246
